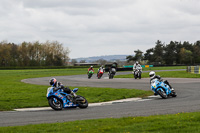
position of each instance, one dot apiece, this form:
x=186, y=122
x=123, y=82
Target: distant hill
x=110, y=58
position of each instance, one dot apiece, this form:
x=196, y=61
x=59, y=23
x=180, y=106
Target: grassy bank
x=176, y=123
x=169, y=74
x=15, y=94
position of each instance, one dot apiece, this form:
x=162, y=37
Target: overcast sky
x=100, y=27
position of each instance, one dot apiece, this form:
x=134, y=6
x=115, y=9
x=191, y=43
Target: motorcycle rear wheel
x=173, y=94
x=55, y=105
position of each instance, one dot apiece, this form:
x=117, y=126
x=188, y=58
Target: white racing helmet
x=152, y=74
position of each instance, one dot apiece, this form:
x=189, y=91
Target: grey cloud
x=75, y=3
x=126, y=25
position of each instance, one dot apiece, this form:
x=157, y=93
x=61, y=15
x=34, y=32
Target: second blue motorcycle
x=162, y=89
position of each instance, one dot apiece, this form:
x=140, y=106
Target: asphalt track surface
x=188, y=100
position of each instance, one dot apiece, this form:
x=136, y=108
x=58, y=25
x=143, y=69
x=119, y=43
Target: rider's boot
x=172, y=89
x=72, y=96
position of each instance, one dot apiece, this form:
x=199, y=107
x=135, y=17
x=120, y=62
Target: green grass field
x=175, y=123
x=15, y=94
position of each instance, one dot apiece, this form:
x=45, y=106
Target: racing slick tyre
x=89, y=76
x=81, y=101
x=162, y=94
x=135, y=77
x=173, y=94
x=99, y=76
x=111, y=76
x=140, y=76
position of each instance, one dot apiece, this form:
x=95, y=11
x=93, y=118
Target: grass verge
x=15, y=94
x=169, y=74
x=176, y=123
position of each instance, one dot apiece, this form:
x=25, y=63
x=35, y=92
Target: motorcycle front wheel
x=55, y=103
x=89, y=76
x=99, y=76
x=110, y=76
x=82, y=102
x=140, y=76
x=162, y=94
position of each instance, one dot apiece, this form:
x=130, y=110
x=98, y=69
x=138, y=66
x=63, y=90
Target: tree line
x=49, y=53
x=174, y=53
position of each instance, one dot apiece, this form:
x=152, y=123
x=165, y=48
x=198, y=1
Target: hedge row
x=41, y=67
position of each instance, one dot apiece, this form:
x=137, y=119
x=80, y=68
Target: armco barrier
x=193, y=69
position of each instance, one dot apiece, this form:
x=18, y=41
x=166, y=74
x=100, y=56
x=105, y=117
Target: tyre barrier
x=193, y=69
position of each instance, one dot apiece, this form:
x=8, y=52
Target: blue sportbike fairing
x=58, y=99
x=162, y=89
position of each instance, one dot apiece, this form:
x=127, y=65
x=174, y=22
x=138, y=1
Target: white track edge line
x=90, y=104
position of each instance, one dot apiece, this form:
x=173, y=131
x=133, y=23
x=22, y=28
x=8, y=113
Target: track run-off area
x=187, y=100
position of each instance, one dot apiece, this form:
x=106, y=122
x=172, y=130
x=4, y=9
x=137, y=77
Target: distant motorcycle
x=137, y=74
x=100, y=74
x=58, y=99
x=162, y=89
x=112, y=73
x=90, y=73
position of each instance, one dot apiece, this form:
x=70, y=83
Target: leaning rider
x=100, y=68
x=112, y=66
x=136, y=66
x=153, y=75
x=58, y=85
x=91, y=68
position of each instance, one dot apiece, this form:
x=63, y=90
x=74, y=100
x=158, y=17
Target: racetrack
x=188, y=100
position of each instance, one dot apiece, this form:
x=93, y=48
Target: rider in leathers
x=100, y=68
x=153, y=76
x=112, y=67
x=91, y=68
x=58, y=85
x=136, y=66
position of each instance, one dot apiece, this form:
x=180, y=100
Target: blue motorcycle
x=58, y=99
x=162, y=89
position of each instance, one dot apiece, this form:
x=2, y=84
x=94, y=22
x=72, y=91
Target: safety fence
x=128, y=68
x=193, y=69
